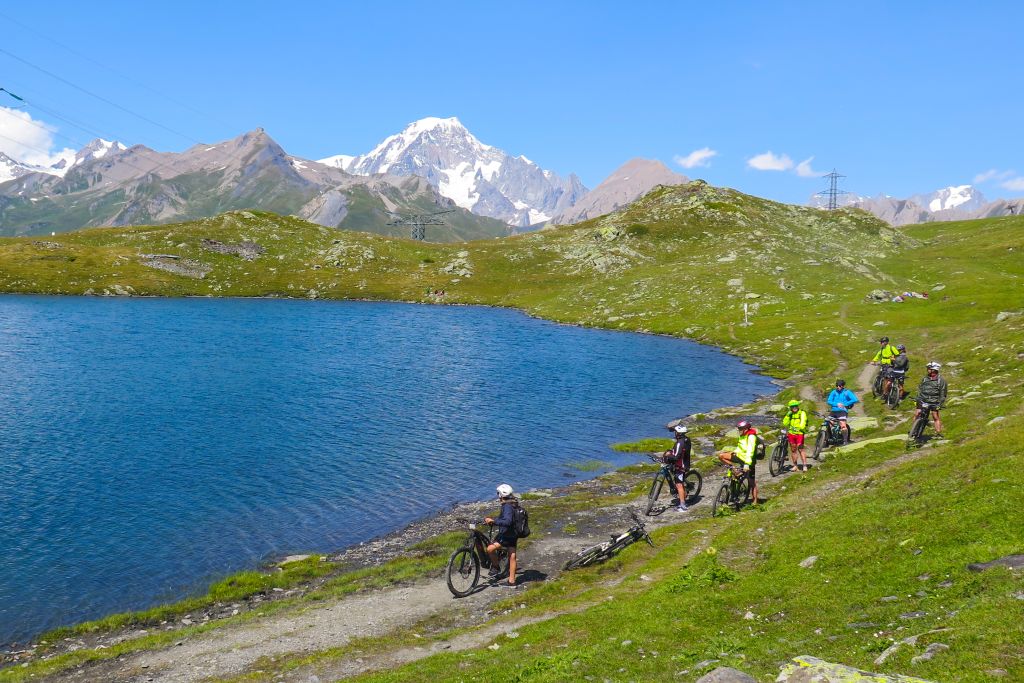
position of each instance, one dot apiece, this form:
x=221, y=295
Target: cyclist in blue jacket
x=840, y=400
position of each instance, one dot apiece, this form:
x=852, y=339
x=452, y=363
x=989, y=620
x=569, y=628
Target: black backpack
x=520, y=521
x=761, y=448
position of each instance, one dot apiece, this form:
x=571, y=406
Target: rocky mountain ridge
x=954, y=203
x=110, y=184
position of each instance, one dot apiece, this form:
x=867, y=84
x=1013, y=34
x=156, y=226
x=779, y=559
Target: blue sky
x=901, y=97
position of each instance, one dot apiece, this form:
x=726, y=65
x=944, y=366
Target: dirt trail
x=237, y=649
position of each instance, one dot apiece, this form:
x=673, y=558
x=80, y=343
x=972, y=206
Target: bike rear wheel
x=777, y=463
x=819, y=444
x=463, y=572
x=587, y=556
x=693, y=482
x=876, y=386
x=656, y=486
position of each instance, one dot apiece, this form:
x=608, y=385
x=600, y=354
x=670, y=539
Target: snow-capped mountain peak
x=97, y=149
x=964, y=197
x=476, y=176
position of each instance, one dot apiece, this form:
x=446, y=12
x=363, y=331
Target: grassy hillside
x=892, y=530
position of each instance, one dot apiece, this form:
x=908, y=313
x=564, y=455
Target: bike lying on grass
x=777, y=461
x=602, y=551
x=830, y=433
x=734, y=493
x=463, y=572
x=664, y=479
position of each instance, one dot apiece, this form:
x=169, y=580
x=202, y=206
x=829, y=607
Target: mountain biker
x=900, y=367
x=679, y=457
x=506, y=537
x=795, y=421
x=744, y=453
x=840, y=400
x=884, y=358
x=932, y=391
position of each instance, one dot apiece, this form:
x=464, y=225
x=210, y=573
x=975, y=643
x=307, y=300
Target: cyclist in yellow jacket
x=884, y=358
x=795, y=422
x=744, y=454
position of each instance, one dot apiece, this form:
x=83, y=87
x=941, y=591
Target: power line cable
x=112, y=70
x=98, y=97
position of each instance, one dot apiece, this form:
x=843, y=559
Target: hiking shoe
x=682, y=508
x=506, y=584
x=493, y=573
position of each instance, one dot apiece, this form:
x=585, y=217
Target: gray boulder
x=807, y=669
x=725, y=674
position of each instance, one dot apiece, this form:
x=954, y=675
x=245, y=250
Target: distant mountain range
x=109, y=184
x=434, y=164
x=954, y=203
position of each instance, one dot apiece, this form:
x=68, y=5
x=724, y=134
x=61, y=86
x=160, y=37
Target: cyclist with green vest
x=795, y=422
x=884, y=358
x=744, y=454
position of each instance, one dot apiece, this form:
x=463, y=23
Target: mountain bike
x=603, y=551
x=734, y=493
x=777, y=461
x=878, y=383
x=893, y=397
x=917, y=428
x=463, y=571
x=830, y=433
x=664, y=478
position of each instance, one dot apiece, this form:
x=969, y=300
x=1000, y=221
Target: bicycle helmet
x=901, y=347
x=794, y=404
x=743, y=425
x=680, y=429
x=883, y=340
x=933, y=366
x=504, y=490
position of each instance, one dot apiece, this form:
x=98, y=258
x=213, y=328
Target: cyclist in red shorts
x=796, y=422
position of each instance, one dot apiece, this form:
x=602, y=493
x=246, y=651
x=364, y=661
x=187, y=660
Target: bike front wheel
x=777, y=463
x=819, y=444
x=722, y=500
x=587, y=556
x=463, y=572
x=652, y=496
x=917, y=431
x=693, y=482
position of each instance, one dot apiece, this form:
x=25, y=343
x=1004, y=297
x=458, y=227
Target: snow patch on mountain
x=474, y=175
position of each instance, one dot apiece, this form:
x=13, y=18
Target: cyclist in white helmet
x=506, y=538
x=679, y=458
x=932, y=391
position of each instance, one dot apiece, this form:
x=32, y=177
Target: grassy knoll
x=892, y=530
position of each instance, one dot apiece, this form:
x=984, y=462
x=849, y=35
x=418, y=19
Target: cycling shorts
x=507, y=540
x=841, y=414
x=931, y=407
x=735, y=460
x=796, y=439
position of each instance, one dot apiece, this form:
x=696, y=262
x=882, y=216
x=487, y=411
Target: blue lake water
x=149, y=446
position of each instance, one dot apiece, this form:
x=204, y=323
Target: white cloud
x=992, y=174
x=28, y=140
x=769, y=162
x=698, y=157
x=804, y=170
x=1013, y=184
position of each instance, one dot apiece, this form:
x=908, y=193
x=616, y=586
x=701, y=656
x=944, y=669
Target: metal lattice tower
x=833, y=192
x=419, y=221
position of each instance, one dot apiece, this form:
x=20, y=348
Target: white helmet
x=680, y=429
x=504, y=490
x=933, y=366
